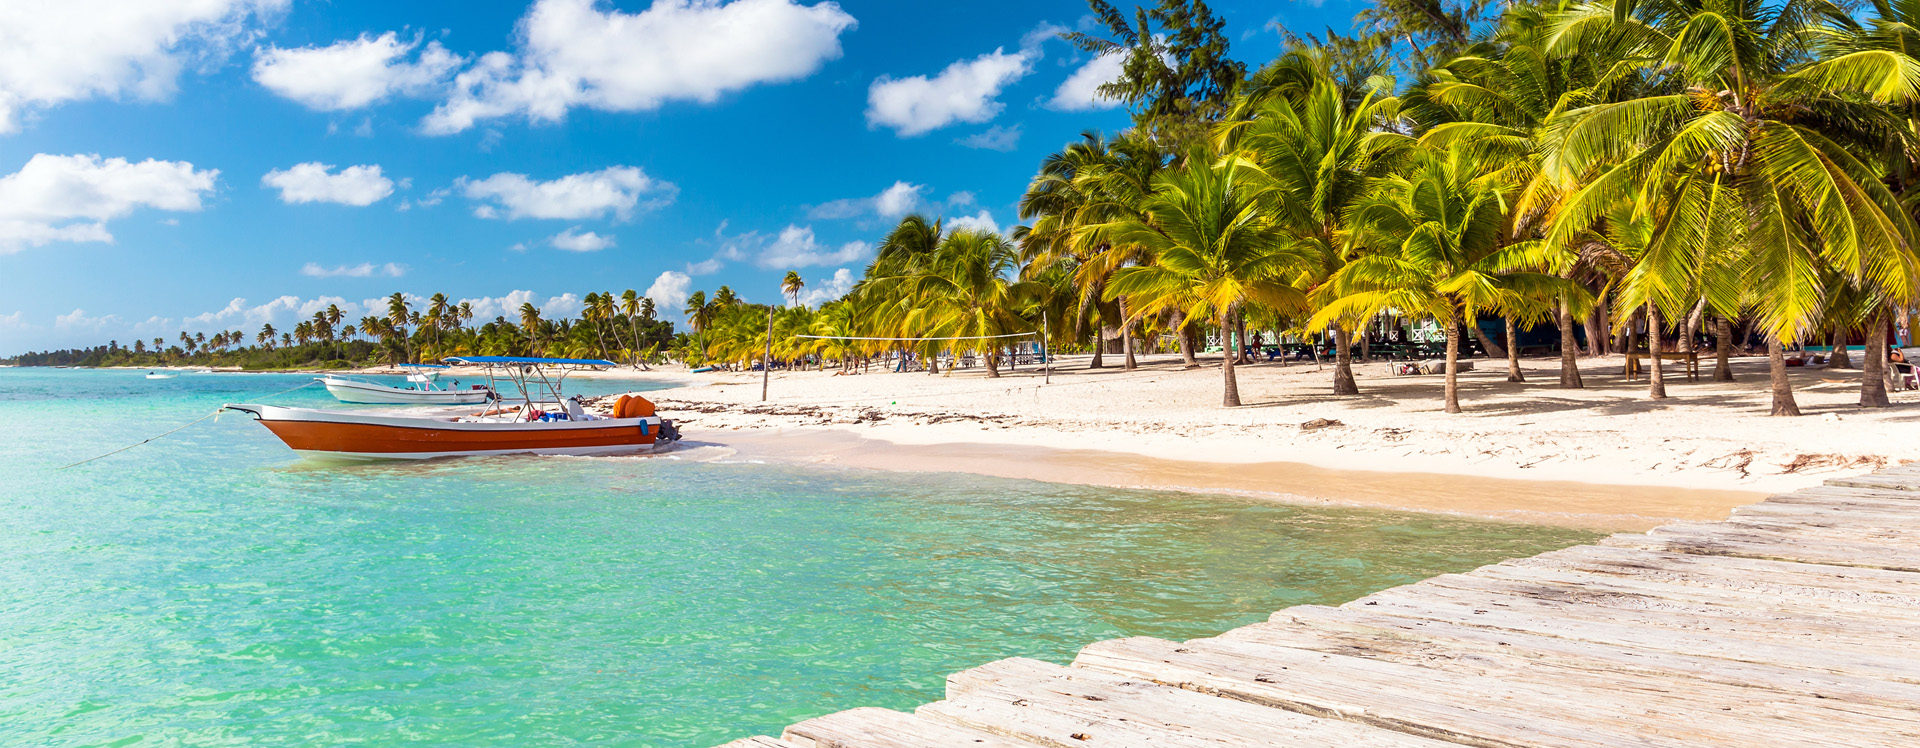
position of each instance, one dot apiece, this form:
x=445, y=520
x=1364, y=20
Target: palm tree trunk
x=1656, y=378
x=1838, y=358
x=1597, y=320
x=1343, y=383
x=1453, y=366
x=1783, y=404
x=1186, y=340
x=1240, y=335
x=1723, y=350
x=1569, y=351
x=1494, y=350
x=1692, y=326
x=1126, y=336
x=1873, y=364
x=1513, y=352
x=993, y=365
x=1232, y=397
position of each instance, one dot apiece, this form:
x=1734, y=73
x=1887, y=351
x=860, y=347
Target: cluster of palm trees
x=1656, y=168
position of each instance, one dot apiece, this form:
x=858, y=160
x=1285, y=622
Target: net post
x=1046, y=350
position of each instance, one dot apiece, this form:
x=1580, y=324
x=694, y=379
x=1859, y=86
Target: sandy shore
x=1603, y=457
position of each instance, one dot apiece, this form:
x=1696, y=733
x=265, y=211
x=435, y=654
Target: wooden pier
x=1794, y=623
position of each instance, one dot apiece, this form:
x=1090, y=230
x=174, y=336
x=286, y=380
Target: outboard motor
x=669, y=433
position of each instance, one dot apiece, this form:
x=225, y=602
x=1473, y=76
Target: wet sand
x=1588, y=506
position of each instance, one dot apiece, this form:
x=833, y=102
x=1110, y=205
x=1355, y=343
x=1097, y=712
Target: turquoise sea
x=212, y=589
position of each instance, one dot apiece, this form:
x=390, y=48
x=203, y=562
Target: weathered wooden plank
x=1752, y=575
x=1463, y=708
x=1724, y=709
x=1728, y=570
x=870, y=727
x=1339, y=623
x=1614, y=629
x=1060, y=706
x=1784, y=600
x=1896, y=479
x=1669, y=614
x=1776, y=546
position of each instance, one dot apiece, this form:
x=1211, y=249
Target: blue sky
x=215, y=164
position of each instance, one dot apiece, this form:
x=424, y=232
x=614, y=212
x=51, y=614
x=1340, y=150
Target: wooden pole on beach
x=766, y=359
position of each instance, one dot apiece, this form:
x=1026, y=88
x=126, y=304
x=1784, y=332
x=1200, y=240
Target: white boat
x=153, y=375
x=541, y=421
x=421, y=390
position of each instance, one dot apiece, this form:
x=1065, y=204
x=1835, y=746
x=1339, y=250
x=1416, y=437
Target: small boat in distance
x=541, y=420
x=157, y=375
x=422, y=390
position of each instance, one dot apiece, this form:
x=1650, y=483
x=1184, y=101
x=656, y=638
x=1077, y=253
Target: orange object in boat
x=620, y=406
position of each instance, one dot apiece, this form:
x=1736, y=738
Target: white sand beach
x=1610, y=457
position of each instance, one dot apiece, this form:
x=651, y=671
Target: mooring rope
x=182, y=427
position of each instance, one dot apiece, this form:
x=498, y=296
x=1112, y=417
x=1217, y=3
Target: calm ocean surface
x=212, y=589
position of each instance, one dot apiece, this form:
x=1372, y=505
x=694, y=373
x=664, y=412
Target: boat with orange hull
x=544, y=422
x=335, y=433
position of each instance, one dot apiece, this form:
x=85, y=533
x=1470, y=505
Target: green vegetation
x=622, y=328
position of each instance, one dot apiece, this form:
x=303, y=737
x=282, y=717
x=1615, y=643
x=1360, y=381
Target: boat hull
x=384, y=437
x=366, y=393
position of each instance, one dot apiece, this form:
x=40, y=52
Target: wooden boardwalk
x=1794, y=623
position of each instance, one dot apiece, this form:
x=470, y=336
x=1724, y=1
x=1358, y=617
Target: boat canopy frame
x=522, y=371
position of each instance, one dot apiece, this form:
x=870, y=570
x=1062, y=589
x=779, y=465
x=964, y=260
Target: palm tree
x=530, y=323
x=1754, y=133
x=963, y=291
x=265, y=338
x=1318, y=153
x=791, y=286
x=1434, y=244
x=398, y=314
x=1213, y=251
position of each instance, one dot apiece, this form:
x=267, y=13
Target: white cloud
x=14, y=321
x=78, y=320
x=996, y=138
x=893, y=202
x=362, y=270
x=981, y=222
x=1080, y=91
x=796, y=247
x=311, y=182
x=70, y=198
x=707, y=266
x=615, y=190
x=485, y=308
x=817, y=293
x=54, y=51
x=572, y=240
x=574, y=53
x=564, y=305
x=670, y=290
x=961, y=198
x=966, y=91
x=354, y=73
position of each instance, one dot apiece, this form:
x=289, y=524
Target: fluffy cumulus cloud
x=580, y=53
x=893, y=202
x=796, y=247
x=966, y=91
x=1081, y=90
x=980, y=222
x=617, y=190
x=362, y=270
x=354, y=73
x=564, y=305
x=54, y=51
x=315, y=182
x=670, y=290
x=70, y=198
x=574, y=240
x=821, y=292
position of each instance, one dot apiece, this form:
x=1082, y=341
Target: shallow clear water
x=210, y=588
